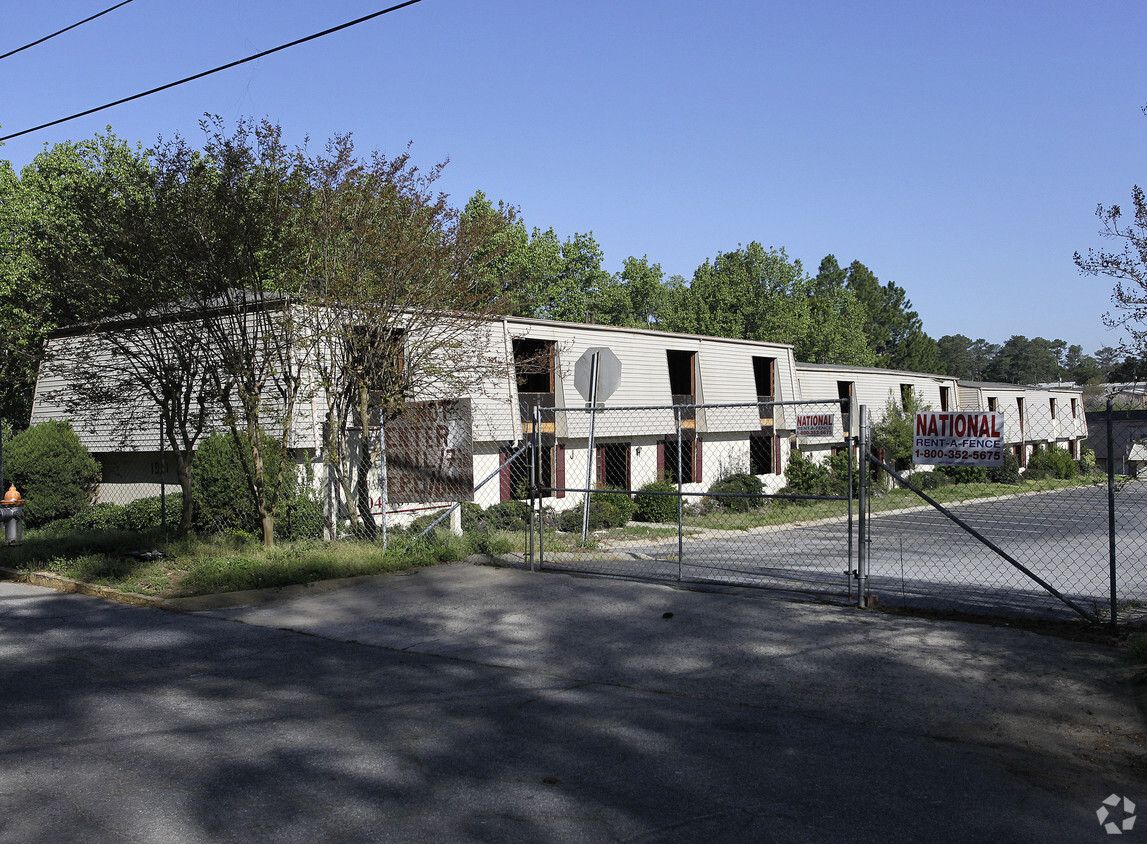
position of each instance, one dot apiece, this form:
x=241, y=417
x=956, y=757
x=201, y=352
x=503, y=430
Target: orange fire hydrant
x=12, y=516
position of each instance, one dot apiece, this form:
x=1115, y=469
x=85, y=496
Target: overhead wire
x=65, y=29
x=227, y=66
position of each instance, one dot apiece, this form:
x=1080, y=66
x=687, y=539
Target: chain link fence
x=759, y=494
x=1053, y=531
x=696, y=493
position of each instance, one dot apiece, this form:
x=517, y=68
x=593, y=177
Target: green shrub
x=929, y=480
x=806, y=477
x=224, y=503
x=509, y=515
x=1086, y=460
x=652, y=505
x=727, y=491
x=602, y=514
x=1008, y=472
x=97, y=518
x=1051, y=463
x=52, y=470
x=145, y=514
x=965, y=474
x=621, y=503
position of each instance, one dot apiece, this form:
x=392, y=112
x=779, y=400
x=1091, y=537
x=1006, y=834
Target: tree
x=1024, y=361
x=400, y=291
x=633, y=297
x=1126, y=263
x=893, y=434
x=757, y=294
x=893, y=329
x=41, y=237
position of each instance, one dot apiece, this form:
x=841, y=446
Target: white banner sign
x=814, y=424
x=959, y=438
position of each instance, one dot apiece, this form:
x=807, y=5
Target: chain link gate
x=750, y=494
x=1034, y=537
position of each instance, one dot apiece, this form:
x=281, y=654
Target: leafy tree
x=1024, y=361
x=1126, y=263
x=755, y=294
x=893, y=434
x=41, y=240
x=633, y=297
x=401, y=286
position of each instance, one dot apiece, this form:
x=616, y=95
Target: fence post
x=862, y=517
x=535, y=494
x=1111, y=511
x=680, y=500
x=162, y=487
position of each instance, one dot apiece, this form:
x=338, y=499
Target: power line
x=213, y=70
x=65, y=29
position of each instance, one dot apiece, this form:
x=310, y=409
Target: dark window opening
x=613, y=465
x=764, y=376
x=1074, y=409
x=375, y=354
x=944, y=398
x=905, y=396
x=534, y=365
x=992, y=403
x=682, y=375
x=1052, y=408
x=516, y=476
x=761, y=454
x=686, y=466
x=844, y=393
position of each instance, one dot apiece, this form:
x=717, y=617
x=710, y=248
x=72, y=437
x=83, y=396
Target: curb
x=67, y=584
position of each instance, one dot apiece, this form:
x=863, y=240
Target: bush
x=1051, y=463
x=929, y=480
x=806, y=477
x=223, y=502
x=965, y=474
x=724, y=490
x=145, y=514
x=652, y=505
x=621, y=503
x=97, y=518
x=53, y=471
x=1086, y=461
x=509, y=515
x=602, y=514
x=1008, y=472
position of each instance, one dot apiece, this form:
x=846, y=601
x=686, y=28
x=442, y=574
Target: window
x=690, y=463
x=375, y=353
x=682, y=375
x=764, y=377
x=992, y=403
x=1052, y=408
x=515, y=477
x=905, y=395
x=534, y=365
x=1020, y=409
x=945, y=400
x=613, y=465
x=844, y=393
x=761, y=454
x=1074, y=409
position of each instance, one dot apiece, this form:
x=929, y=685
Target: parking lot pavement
x=477, y=704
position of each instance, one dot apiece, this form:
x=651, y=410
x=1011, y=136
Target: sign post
x=596, y=375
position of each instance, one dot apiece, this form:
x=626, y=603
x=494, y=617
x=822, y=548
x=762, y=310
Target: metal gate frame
x=864, y=531
x=536, y=543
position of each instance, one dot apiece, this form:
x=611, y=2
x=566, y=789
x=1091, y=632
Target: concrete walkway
x=467, y=703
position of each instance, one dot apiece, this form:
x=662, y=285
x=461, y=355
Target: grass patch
x=205, y=566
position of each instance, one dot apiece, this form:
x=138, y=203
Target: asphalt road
x=467, y=703
x=919, y=558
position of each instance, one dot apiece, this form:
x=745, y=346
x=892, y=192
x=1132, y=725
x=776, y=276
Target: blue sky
x=959, y=150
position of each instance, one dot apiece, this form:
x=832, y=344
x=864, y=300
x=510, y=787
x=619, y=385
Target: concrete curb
x=67, y=584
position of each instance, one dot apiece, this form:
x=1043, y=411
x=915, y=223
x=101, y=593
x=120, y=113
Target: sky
x=958, y=150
